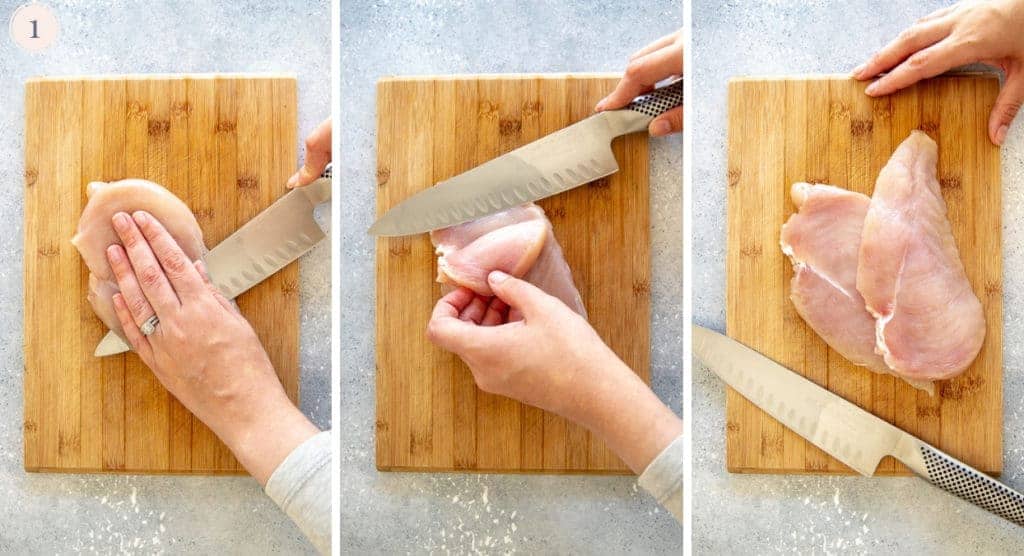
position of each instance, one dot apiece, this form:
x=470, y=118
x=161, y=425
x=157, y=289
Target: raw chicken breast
x=929, y=324
x=513, y=249
x=518, y=241
x=822, y=241
x=96, y=233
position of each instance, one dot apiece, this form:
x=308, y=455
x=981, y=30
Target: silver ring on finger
x=149, y=326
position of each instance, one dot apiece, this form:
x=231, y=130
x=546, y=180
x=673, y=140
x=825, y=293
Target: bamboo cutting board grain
x=223, y=144
x=826, y=130
x=430, y=415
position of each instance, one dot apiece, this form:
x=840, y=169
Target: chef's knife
x=850, y=434
x=573, y=156
x=283, y=232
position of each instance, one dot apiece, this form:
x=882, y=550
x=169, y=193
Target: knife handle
x=319, y=191
x=956, y=477
x=659, y=101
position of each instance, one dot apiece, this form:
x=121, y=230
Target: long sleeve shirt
x=663, y=478
x=301, y=487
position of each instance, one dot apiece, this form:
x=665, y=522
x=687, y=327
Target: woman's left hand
x=529, y=346
x=202, y=350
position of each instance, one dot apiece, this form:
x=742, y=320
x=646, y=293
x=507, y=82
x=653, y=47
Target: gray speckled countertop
x=411, y=512
x=46, y=513
x=823, y=514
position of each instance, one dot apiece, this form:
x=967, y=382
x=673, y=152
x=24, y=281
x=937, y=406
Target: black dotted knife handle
x=972, y=485
x=660, y=100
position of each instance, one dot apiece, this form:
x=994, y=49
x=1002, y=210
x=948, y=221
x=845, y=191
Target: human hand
x=659, y=60
x=967, y=32
x=318, y=154
x=203, y=350
x=529, y=346
x=533, y=349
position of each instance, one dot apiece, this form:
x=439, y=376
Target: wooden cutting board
x=825, y=129
x=430, y=414
x=225, y=145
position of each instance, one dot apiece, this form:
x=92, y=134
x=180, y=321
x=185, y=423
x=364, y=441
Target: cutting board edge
x=495, y=471
x=161, y=76
x=740, y=470
x=94, y=471
x=496, y=77
x=843, y=76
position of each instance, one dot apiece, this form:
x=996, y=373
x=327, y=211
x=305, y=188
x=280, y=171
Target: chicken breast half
x=822, y=240
x=518, y=241
x=929, y=324
x=96, y=233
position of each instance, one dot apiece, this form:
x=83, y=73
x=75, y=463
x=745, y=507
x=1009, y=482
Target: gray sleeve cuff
x=301, y=487
x=663, y=478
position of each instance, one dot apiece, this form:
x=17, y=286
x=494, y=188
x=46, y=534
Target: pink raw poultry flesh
x=96, y=233
x=880, y=279
x=518, y=241
x=822, y=240
x=929, y=324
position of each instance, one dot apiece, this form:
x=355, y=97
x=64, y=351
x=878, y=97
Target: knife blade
x=847, y=432
x=568, y=158
x=275, y=237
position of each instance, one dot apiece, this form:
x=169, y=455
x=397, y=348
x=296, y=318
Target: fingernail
x=113, y=253
x=1001, y=134
x=140, y=217
x=497, y=277
x=872, y=88
x=600, y=104
x=121, y=222
x=292, y=181
x=660, y=128
x=856, y=71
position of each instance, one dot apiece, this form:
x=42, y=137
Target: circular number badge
x=34, y=27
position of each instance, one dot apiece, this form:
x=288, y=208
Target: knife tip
x=382, y=228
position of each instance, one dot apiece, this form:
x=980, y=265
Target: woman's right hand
x=318, y=154
x=648, y=66
x=990, y=32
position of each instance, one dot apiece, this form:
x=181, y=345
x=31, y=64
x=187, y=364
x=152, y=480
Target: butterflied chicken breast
x=929, y=324
x=518, y=241
x=822, y=241
x=96, y=233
